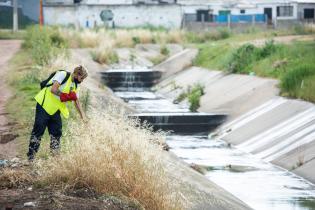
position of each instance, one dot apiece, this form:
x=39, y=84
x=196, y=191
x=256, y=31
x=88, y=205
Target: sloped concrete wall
x=224, y=93
x=281, y=132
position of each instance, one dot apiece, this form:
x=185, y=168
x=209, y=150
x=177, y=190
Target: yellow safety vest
x=50, y=102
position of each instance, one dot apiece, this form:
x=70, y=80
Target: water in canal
x=259, y=184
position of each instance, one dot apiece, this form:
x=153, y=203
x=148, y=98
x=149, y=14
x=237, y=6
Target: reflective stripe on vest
x=52, y=102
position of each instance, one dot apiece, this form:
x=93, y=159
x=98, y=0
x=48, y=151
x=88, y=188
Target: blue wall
x=240, y=18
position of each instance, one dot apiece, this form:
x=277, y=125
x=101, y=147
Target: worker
x=59, y=89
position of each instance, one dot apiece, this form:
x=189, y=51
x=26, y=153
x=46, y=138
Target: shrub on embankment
x=293, y=64
x=112, y=156
x=44, y=43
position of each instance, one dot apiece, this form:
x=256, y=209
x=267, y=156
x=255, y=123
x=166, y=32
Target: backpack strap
x=63, y=82
x=66, y=78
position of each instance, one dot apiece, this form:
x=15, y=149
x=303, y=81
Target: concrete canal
x=258, y=183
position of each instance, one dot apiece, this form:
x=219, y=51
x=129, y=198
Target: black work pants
x=43, y=120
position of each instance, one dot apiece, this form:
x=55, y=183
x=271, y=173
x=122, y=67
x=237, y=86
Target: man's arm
x=55, y=88
x=79, y=109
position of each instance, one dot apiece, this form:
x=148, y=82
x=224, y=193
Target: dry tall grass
x=10, y=177
x=121, y=37
x=105, y=53
x=105, y=41
x=310, y=28
x=112, y=156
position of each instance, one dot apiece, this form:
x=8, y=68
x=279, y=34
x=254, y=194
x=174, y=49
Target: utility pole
x=41, y=18
x=15, y=15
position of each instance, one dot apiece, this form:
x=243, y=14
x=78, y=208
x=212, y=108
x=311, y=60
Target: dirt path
x=7, y=146
x=281, y=39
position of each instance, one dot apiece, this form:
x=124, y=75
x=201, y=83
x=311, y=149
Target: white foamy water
x=137, y=95
x=259, y=184
x=161, y=105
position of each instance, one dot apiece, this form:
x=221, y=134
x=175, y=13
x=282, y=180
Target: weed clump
x=105, y=54
x=245, y=56
x=268, y=49
x=193, y=94
x=242, y=58
x=164, y=50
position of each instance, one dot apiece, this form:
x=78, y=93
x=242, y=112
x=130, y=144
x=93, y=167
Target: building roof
x=241, y=2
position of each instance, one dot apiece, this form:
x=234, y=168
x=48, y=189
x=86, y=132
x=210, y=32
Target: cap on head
x=81, y=70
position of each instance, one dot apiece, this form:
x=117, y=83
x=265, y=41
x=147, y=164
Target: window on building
x=285, y=11
x=204, y=16
x=242, y=11
x=308, y=13
x=224, y=12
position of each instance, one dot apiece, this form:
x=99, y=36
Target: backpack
x=44, y=84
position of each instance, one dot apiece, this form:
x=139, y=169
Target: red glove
x=73, y=96
x=64, y=97
x=68, y=96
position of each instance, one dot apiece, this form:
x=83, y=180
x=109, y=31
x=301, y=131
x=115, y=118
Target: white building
x=126, y=13
x=173, y=13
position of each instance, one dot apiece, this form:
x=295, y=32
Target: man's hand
x=79, y=109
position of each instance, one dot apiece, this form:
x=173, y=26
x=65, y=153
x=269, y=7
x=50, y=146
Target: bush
x=268, y=49
x=242, y=58
x=247, y=54
x=164, y=50
x=44, y=43
x=57, y=40
x=136, y=40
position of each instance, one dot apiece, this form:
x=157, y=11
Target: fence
x=191, y=22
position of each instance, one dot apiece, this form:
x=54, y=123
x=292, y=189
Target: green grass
x=293, y=64
x=9, y=34
x=214, y=55
x=21, y=106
